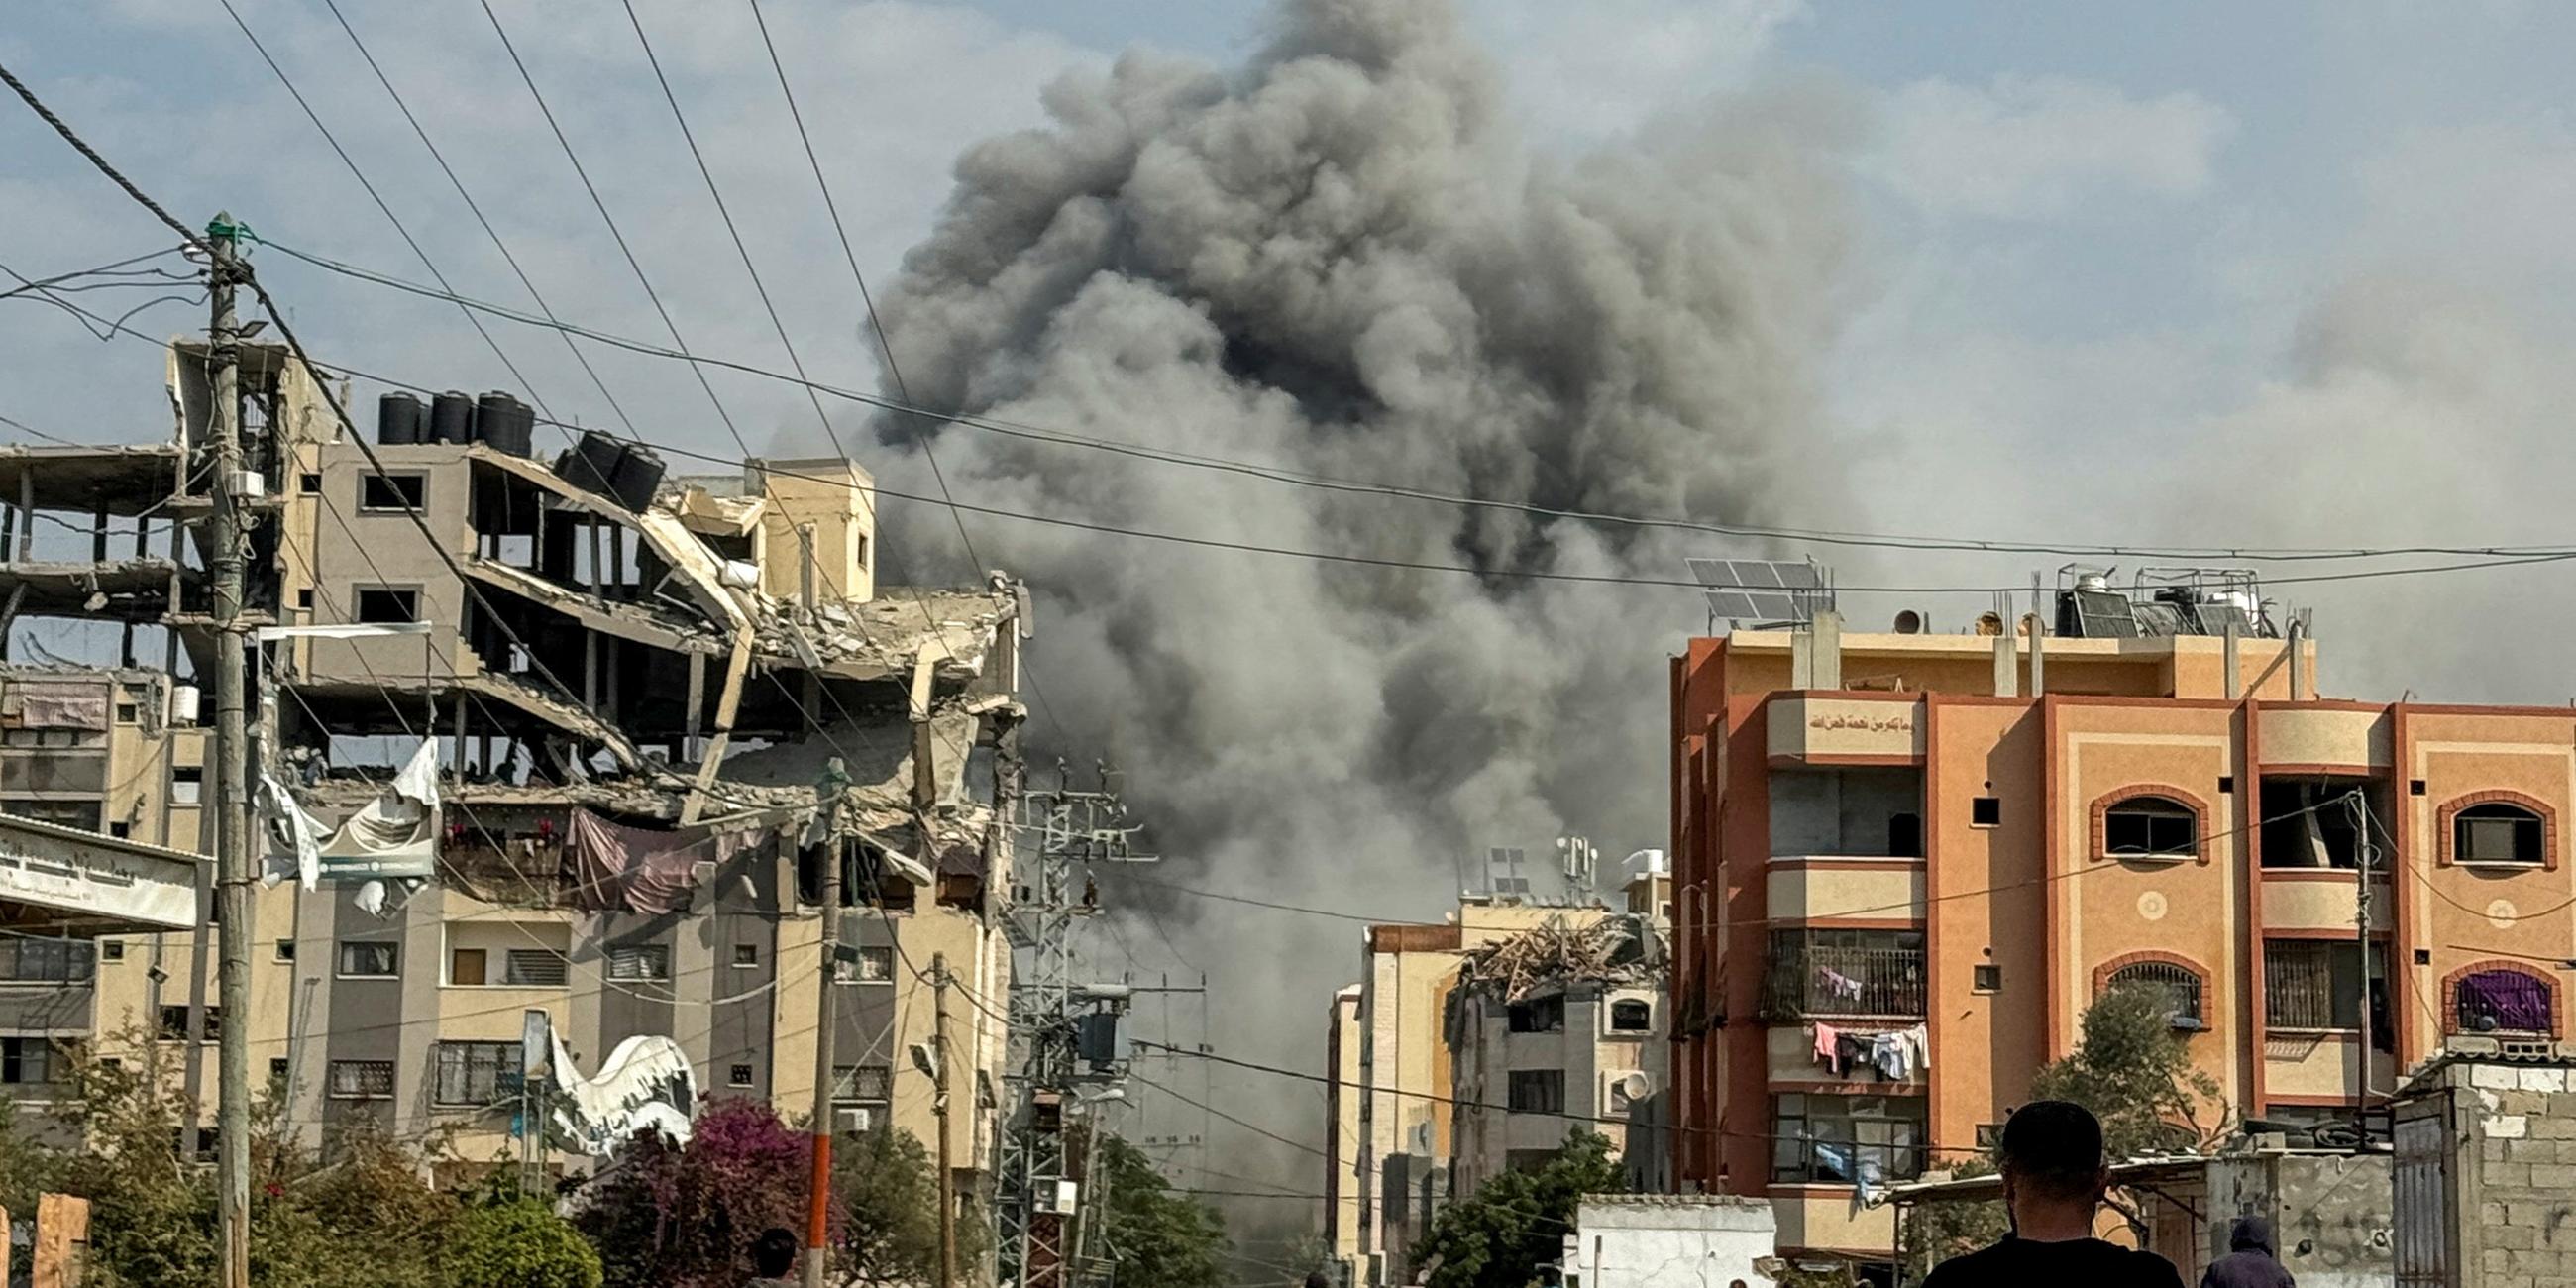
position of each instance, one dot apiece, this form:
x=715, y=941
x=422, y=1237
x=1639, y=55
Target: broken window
x=392, y=492
x=639, y=962
x=1631, y=1016
x=26, y=1061
x=1537, y=1091
x=2498, y=833
x=1538, y=1015
x=362, y=960
x=2151, y=827
x=362, y=1079
x=387, y=604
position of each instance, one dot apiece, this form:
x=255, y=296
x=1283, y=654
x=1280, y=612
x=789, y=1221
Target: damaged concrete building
x=656, y=708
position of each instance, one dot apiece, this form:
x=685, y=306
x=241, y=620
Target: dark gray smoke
x=1342, y=259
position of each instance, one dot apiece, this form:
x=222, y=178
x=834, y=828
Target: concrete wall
x=2331, y=1213
x=1676, y=1241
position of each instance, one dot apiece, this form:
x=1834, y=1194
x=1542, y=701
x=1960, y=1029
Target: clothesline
x=1896, y=1054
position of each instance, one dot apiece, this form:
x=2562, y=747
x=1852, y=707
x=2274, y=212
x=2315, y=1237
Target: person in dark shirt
x=2054, y=1175
x=2252, y=1260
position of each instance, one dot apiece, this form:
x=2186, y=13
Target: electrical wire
x=1253, y=1127
x=1277, y=474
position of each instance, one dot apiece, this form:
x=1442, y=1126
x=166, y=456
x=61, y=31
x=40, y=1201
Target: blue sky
x=2291, y=273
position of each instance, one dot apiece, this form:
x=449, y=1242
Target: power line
x=1252, y=1127
x=1285, y=476
x=2532, y=555
x=381, y=204
x=885, y=343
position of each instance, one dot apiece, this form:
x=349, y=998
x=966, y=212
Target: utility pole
x=939, y=1105
x=818, y=1211
x=2358, y=807
x=233, y=929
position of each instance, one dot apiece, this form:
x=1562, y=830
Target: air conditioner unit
x=854, y=1120
x=1067, y=1197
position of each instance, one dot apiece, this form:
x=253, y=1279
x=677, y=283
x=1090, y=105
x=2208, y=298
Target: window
x=1844, y=972
x=2312, y=984
x=308, y=484
x=277, y=1071
x=304, y=597
x=2178, y=985
x=285, y=950
x=368, y=960
x=186, y=781
x=1538, y=1015
x=475, y=1073
x=125, y=713
x=26, y=1061
x=639, y=962
x=46, y=961
x=387, y=604
x=746, y=954
x=1986, y=811
x=2151, y=827
x=738, y=1076
x=1631, y=1016
x=2502, y=1001
x=361, y=1080
x=1989, y=1135
x=1840, y=1140
x=394, y=492
x=874, y=966
x=1905, y=836
x=2498, y=833
x=465, y=966
x=862, y=1083
x=1537, y=1091
x=111, y=950
x=1986, y=979
x=535, y=968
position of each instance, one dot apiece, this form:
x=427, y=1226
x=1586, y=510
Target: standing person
x=2252, y=1260
x=773, y=1258
x=2054, y=1175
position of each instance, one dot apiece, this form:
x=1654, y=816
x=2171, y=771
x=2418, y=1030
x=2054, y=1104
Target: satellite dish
x=371, y=899
x=1635, y=1086
x=1909, y=622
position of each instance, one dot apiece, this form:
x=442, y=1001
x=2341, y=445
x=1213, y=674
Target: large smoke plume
x=1343, y=260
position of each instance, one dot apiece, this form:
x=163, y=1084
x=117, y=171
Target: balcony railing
x=1815, y=979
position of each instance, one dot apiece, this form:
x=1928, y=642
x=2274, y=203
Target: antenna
x=1578, y=859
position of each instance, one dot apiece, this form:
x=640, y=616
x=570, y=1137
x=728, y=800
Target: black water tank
x=592, y=462
x=491, y=411
x=398, y=418
x=511, y=427
x=451, y=418
x=637, y=478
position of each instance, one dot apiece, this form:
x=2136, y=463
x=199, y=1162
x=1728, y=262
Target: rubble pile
x=1556, y=951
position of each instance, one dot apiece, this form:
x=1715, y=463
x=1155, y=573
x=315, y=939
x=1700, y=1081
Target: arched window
x=2151, y=827
x=2496, y=832
x=2178, y=984
x=2502, y=1000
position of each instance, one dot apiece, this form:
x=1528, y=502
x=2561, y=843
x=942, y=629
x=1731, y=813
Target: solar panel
x=2103, y=614
x=1760, y=590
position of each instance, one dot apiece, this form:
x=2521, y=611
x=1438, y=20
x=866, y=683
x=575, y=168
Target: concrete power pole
x=947, y=1176
x=818, y=1212
x=233, y=929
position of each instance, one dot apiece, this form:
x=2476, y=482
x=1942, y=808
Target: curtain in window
x=2504, y=999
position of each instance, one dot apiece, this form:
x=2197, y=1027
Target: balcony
x=1835, y=974
x=1851, y=731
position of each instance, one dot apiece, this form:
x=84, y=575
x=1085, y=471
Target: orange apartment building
x=1978, y=833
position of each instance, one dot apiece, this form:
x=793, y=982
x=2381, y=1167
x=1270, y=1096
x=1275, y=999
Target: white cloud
x=1583, y=72
x=2026, y=147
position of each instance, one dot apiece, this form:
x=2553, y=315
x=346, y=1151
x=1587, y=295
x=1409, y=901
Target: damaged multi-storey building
x=600, y=774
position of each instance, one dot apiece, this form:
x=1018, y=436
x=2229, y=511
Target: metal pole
x=2359, y=808
x=947, y=1177
x=232, y=848
x=818, y=1210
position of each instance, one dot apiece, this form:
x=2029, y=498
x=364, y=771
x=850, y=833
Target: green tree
x=1158, y=1238
x=2133, y=1069
x=886, y=1191
x=1499, y=1236
x=519, y=1244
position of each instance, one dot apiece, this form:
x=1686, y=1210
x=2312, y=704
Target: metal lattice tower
x=1053, y=892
